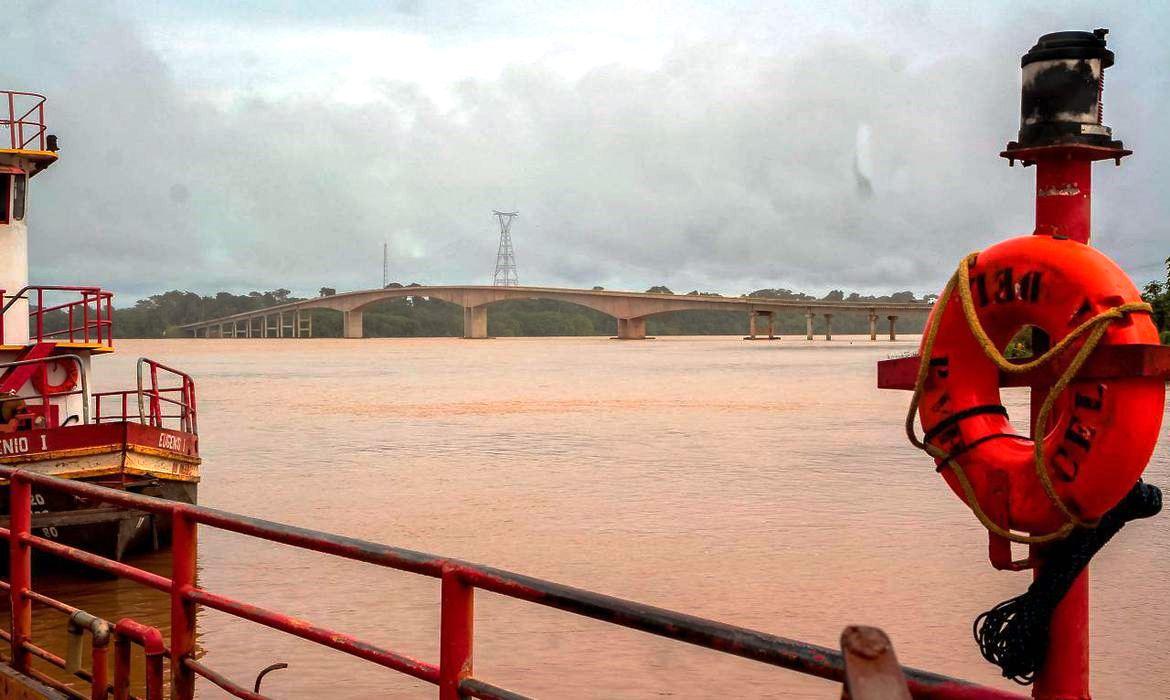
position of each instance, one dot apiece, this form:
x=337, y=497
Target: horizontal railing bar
x=52, y=603
x=222, y=681
x=69, y=305
x=57, y=685
x=51, y=658
x=476, y=688
x=759, y=646
x=325, y=637
x=128, y=392
x=794, y=655
x=146, y=578
x=767, y=648
x=327, y=543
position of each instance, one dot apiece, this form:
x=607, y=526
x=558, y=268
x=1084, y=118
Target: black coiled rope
x=1014, y=634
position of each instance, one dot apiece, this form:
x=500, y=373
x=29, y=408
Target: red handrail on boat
x=25, y=119
x=89, y=319
x=458, y=582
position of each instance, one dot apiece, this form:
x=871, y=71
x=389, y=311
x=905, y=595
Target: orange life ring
x=1100, y=432
x=40, y=379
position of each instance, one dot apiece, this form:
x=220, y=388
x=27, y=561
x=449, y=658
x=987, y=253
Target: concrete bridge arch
x=631, y=309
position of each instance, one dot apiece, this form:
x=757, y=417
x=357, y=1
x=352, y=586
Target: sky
x=720, y=146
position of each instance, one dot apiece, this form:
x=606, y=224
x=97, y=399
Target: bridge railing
x=459, y=580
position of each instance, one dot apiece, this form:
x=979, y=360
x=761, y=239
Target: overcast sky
x=212, y=145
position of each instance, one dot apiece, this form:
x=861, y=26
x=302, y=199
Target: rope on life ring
x=1014, y=634
x=1094, y=328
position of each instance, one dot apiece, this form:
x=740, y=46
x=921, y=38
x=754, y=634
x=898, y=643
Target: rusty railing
x=158, y=406
x=458, y=582
x=25, y=119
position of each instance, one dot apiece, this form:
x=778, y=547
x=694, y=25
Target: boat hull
x=137, y=458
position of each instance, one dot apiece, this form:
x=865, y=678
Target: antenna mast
x=505, y=257
x=385, y=264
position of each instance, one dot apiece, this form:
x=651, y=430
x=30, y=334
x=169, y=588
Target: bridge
x=631, y=309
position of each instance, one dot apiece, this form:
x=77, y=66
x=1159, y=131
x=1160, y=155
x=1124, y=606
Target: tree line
x=1157, y=295
x=161, y=315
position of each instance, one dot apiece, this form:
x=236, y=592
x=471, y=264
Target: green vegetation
x=162, y=314
x=1157, y=294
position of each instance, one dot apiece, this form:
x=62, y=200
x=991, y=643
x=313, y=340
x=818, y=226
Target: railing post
x=456, y=633
x=40, y=315
x=184, y=547
x=110, y=320
x=12, y=119
x=155, y=403
x=100, y=681
x=121, y=668
x=20, y=569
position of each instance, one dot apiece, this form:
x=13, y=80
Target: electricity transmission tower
x=505, y=257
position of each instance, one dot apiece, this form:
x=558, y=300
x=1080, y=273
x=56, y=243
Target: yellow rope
x=1094, y=327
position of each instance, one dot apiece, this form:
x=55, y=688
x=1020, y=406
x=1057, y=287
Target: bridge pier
x=631, y=329
x=893, y=336
x=872, y=325
x=752, y=316
x=475, y=321
x=828, y=326
x=351, y=324
x=808, y=319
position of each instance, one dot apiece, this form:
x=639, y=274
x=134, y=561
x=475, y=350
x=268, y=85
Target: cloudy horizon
x=723, y=147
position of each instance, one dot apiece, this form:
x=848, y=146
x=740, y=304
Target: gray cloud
x=724, y=168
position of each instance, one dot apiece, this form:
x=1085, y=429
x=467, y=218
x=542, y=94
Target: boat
x=142, y=439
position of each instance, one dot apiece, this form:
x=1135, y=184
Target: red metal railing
x=89, y=319
x=25, y=119
x=458, y=582
x=152, y=401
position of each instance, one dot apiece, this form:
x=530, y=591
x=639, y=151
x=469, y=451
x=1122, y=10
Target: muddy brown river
x=764, y=484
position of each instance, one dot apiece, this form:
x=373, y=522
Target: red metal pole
x=456, y=631
x=12, y=119
x=20, y=569
x=155, y=404
x=1063, y=209
x=121, y=668
x=184, y=548
x=100, y=680
x=40, y=315
x=1065, y=675
x=1063, y=196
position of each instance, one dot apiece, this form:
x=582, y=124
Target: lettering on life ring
x=1100, y=433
